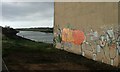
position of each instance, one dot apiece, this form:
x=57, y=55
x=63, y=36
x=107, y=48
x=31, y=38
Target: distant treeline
x=47, y=30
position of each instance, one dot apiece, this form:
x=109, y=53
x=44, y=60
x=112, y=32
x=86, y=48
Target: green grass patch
x=23, y=45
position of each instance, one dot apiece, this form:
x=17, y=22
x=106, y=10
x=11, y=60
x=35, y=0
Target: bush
x=9, y=32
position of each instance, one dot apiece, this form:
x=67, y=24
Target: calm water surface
x=37, y=36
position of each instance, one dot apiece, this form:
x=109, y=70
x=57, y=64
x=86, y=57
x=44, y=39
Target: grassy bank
x=23, y=54
x=18, y=44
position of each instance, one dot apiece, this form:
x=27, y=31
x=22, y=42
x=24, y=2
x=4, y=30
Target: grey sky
x=27, y=14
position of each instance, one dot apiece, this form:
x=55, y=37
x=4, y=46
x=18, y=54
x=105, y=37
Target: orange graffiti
x=73, y=36
x=78, y=37
x=67, y=35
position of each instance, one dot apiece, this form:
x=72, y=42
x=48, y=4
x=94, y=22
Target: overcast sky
x=27, y=14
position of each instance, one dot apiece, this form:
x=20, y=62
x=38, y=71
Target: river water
x=37, y=36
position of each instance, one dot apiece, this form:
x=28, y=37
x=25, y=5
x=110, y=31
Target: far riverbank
x=46, y=30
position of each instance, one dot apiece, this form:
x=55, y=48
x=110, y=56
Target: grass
x=24, y=45
x=20, y=53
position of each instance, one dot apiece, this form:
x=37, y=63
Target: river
x=37, y=36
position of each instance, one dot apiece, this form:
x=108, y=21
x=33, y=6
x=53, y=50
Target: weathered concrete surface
x=99, y=23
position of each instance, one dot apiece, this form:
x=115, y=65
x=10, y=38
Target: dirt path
x=52, y=66
x=36, y=61
x=22, y=61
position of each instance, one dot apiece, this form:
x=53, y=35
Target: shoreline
x=34, y=39
x=31, y=40
x=46, y=30
x=37, y=31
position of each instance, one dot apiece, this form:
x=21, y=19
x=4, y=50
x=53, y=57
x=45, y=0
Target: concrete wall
x=89, y=29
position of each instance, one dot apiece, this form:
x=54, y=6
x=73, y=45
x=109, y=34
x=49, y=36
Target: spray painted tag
x=111, y=61
x=94, y=56
x=83, y=53
x=98, y=48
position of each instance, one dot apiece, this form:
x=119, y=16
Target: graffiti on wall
x=106, y=44
x=73, y=36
